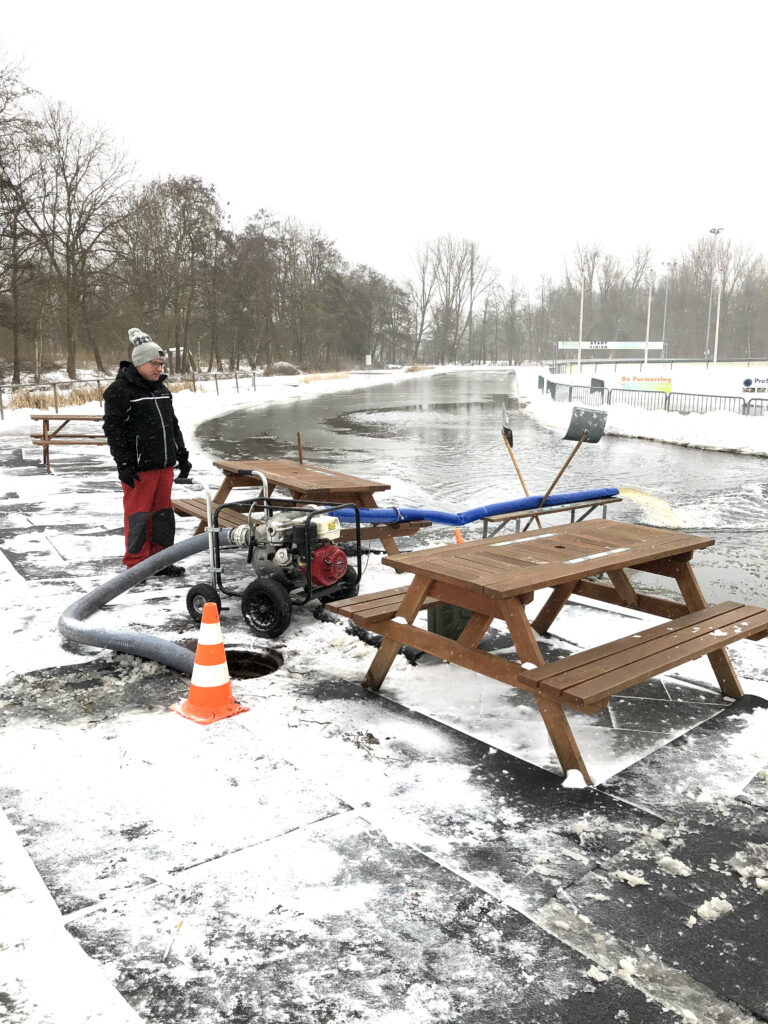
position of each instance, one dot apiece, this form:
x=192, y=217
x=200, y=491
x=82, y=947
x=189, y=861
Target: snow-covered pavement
x=337, y=855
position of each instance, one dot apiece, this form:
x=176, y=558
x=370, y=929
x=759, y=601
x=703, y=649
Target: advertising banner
x=755, y=384
x=638, y=382
x=611, y=346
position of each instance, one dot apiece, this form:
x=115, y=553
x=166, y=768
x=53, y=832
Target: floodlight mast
x=714, y=232
x=651, y=279
x=581, y=322
x=670, y=267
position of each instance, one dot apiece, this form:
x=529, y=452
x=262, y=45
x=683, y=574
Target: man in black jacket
x=146, y=443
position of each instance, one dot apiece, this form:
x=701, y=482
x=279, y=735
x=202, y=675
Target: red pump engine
x=328, y=565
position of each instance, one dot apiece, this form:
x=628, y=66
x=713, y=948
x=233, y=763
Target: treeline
x=86, y=252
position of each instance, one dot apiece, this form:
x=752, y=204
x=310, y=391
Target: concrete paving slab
x=715, y=761
x=335, y=923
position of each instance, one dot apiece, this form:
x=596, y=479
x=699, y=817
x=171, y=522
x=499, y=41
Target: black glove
x=184, y=464
x=128, y=473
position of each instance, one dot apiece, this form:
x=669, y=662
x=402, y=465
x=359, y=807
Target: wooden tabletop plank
x=301, y=476
x=93, y=417
x=496, y=562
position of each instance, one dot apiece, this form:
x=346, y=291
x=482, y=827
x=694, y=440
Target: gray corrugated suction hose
x=142, y=644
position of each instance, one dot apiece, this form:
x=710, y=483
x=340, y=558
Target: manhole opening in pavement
x=248, y=664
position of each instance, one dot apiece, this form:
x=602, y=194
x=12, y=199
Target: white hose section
x=143, y=645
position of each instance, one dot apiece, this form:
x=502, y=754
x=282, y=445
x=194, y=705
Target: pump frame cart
x=290, y=549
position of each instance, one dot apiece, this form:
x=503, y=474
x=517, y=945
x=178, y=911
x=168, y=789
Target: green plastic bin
x=447, y=620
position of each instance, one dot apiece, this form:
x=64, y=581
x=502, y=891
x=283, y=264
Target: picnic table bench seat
x=585, y=681
x=365, y=609
x=196, y=507
x=495, y=524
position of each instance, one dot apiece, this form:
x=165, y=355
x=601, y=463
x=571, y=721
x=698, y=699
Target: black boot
x=171, y=570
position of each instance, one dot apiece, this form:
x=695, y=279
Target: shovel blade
x=506, y=429
x=586, y=421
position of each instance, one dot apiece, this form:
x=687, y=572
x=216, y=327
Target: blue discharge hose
x=405, y=515
x=144, y=645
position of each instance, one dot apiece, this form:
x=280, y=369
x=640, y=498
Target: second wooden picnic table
x=56, y=435
x=314, y=484
x=495, y=578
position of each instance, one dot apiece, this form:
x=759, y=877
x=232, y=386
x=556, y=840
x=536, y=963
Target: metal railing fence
x=58, y=390
x=667, y=401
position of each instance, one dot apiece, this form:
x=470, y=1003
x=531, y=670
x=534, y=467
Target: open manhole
x=244, y=664
x=249, y=664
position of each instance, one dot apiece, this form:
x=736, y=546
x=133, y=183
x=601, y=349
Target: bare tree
x=16, y=248
x=420, y=294
x=68, y=197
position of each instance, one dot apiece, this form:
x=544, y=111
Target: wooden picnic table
x=57, y=436
x=307, y=483
x=495, y=577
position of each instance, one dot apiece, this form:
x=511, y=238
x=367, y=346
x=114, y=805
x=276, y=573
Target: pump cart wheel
x=198, y=596
x=267, y=607
x=349, y=589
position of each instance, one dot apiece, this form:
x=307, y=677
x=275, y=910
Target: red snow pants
x=149, y=521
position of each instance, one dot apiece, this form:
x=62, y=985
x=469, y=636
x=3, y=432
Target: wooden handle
x=514, y=460
x=579, y=443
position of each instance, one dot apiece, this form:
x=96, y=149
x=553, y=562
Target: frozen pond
x=437, y=442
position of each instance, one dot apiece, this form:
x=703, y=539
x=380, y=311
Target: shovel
x=506, y=433
x=586, y=425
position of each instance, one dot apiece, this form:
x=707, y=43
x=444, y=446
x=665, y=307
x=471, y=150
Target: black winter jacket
x=139, y=422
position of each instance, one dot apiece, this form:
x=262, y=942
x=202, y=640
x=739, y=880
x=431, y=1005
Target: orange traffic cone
x=210, y=692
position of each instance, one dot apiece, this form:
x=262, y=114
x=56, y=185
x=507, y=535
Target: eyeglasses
x=158, y=365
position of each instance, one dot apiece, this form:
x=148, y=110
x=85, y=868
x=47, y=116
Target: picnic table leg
x=553, y=606
x=408, y=610
x=513, y=613
x=552, y=713
x=46, y=447
x=623, y=587
x=225, y=487
x=563, y=740
x=475, y=630
x=719, y=660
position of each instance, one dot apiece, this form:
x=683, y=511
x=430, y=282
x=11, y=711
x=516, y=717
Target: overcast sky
x=525, y=127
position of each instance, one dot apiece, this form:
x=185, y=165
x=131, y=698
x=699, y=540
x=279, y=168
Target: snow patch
x=573, y=780
x=631, y=878
x=673, y=866
x=712, y=909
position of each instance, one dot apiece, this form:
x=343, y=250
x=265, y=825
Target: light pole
x=651, y=279
x=717, y=314
x=714, y=232
x=670, y=267
x=581, y=322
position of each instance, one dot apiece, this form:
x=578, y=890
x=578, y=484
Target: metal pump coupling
x=240, y=536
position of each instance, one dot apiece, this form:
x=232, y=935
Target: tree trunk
x=94, y=344
x=71, y=342
x=16, y=332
